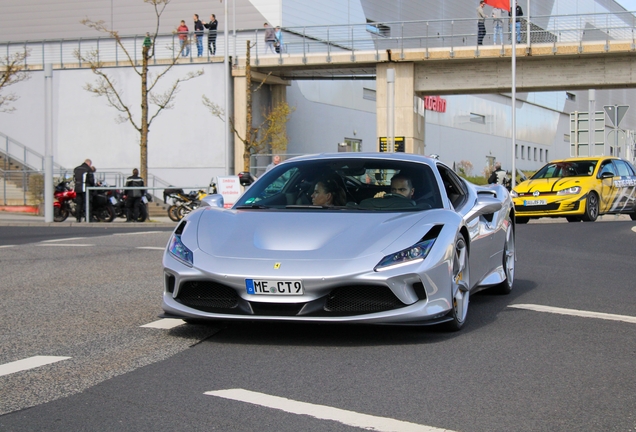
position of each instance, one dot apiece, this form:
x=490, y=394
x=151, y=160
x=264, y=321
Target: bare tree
x=106, y=86
x=12, y=70
x=271, y=133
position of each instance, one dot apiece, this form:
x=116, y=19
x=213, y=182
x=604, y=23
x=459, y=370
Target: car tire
x=573, y=219
x=522, y=220
x=591, y=207
x=460, y=295
x=509, y=259
x=632, y=216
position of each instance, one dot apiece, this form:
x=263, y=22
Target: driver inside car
x=402, y=185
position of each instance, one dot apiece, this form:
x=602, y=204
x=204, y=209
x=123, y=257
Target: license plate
x=113, y=201
x=534, y=202
x=274, y=287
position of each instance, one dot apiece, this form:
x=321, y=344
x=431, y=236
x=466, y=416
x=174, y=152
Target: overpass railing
x=305, y=40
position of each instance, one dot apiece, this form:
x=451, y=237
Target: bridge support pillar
x=408, y=123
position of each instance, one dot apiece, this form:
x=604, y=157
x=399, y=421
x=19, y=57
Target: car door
x=606, y=175
x=625, y=188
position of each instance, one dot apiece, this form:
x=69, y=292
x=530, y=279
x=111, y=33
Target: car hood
x=305, y=235
x=547, y=185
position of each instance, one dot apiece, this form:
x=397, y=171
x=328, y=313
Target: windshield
x=345, y=185
x=583, y=168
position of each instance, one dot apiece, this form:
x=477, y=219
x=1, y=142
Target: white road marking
x=576, y=312
x=137, y=233
x=6, y=246
x=634, y=228
x=166, y=323
x=60, y=244
x=151, y=248
x=28, y=363
x=64, y=239
x=323, y=412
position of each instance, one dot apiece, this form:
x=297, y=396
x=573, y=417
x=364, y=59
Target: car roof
x=398, y=156
x=583, y=158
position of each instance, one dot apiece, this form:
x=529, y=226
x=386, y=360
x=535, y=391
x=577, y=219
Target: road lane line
x=323, y=412
x=28, y=363
x=64, y=239
x=60, y=244
x=576, y=312
x=166, y=323
x=6, y=246
x=151, y=248
x=137, y=233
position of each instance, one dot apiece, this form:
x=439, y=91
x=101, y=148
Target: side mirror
x=245, y=178
x=606, y=175
x=214, y=200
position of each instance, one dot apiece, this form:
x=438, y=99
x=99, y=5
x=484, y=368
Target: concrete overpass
x=442, y=71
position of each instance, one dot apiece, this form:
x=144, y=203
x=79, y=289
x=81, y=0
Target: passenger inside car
x=328, y=192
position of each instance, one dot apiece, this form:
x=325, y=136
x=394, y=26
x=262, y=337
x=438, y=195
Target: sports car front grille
x=207, y=296
x=361, y=299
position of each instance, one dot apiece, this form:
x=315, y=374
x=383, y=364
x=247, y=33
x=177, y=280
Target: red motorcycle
x=64, y=202
x=101, y=205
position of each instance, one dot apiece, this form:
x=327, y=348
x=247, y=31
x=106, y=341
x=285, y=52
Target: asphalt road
x=510, y=369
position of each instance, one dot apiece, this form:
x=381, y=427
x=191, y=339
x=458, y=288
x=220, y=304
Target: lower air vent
x=207, y=296
x=361, y=299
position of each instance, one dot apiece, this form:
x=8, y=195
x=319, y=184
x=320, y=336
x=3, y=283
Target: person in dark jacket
x=499, y=176
x=83, y=176
x=211, y=26
x=198, y=32
x=133, y=196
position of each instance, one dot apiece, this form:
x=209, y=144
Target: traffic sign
x=616, y=113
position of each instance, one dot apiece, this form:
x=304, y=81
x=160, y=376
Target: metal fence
x=375, y=36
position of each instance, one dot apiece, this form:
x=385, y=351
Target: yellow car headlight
x=575, y=190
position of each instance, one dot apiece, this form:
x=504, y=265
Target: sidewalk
x=25, y=219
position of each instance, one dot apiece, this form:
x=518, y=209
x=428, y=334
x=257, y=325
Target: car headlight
x=413, y=254
x=575, y=190
x=514, y=194
x=178, y=250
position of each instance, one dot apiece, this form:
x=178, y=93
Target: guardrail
x=374, y=36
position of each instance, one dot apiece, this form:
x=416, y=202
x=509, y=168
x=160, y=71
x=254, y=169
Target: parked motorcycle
x=183, y=203
x=119, y=204
x=101, y=206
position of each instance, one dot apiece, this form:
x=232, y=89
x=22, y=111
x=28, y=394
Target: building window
x=570, y=96
x=541, y=155
x=523, y=152
x=368, y=94
x=477, y=118
x=378, y=29
x=546, y=156
x=516, y=151
x=566, y=138
x=535, y=153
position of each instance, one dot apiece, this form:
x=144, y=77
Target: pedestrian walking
x=270, y=38
x=133, y=196
x=183, y=30
x=481, y=23
x=198, y=33
x=497, y=26
x=83, y=177
x=212, y=26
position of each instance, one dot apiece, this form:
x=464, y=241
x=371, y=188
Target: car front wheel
x=591, y=207
x=460, y=293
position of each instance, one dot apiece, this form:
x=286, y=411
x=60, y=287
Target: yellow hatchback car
x=578, y=189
